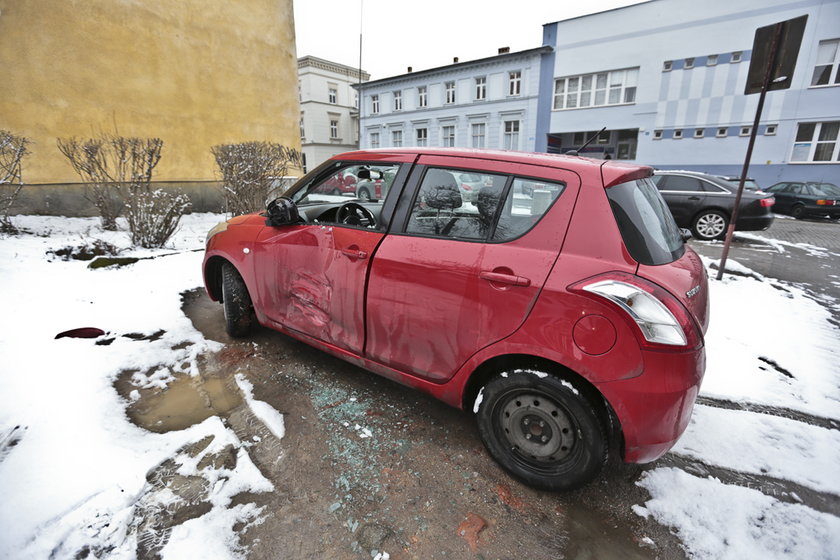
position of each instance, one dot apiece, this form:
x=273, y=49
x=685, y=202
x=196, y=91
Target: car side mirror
x=685, y=234
x=281, y=211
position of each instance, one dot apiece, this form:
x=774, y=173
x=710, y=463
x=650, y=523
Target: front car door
x=311, y=277
x=454, y=276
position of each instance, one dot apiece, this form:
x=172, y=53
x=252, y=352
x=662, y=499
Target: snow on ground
x=73, y=469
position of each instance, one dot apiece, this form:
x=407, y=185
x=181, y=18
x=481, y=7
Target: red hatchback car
x=568, y=315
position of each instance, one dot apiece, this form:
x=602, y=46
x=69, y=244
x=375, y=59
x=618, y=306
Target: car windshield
x=646, y=224
x=826, y=189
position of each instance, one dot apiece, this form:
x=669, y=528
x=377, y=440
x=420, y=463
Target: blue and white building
x=665, y=77
x=486, y=103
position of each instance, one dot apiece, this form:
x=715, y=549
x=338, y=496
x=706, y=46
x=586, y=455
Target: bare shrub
x=12, y=151
x=118, y=172
x=249, y=168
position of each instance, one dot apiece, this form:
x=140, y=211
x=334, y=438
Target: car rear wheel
x=541, y=429
x=798, y=211
x=709, y=224
x=239, y=311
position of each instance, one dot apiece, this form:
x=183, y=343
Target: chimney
x=410, y=69
x=504, y=50
x=455, y=60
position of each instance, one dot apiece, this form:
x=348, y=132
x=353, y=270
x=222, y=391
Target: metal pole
x=771, y=63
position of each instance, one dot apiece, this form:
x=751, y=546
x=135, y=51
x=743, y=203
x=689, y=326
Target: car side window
x=527, y=202
x=445, y=206
x=680, y=183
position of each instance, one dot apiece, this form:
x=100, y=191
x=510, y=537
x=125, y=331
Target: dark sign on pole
x=787, y=51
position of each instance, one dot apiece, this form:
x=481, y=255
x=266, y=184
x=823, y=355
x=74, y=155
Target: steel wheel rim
x=538, y=430
x=711, y=225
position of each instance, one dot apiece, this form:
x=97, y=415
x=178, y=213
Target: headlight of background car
x=218, y=228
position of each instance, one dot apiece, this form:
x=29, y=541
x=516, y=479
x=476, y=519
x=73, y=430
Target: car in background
x=571, y=324
x=802, y=199
x=704, y=203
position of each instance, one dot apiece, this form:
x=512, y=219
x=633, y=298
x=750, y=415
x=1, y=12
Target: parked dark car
x=804, y=199
x=704, y=203
x=571, y=323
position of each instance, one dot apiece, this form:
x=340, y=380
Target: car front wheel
x=239, y=311
x=709, y=225
x=541, y=429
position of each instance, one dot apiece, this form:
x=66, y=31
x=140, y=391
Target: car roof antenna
x=585, y=144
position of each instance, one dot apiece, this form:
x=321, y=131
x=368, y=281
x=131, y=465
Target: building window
x=657, y=135
x=514, y=83
x=396, y=138
x=422, y=137
x=374, y=140
x=689, y=63
x=712, y=60
x=745, y=131
x=480, y=89
x=771, y=130
x=511, y=138
x=677, y=134
x=827, y=69
x=333, y=129
x=596, y=90
x=333, y=95
x=736, y=57
x=422, y=96
x=450, y=92
x=397, y=101
x=699, y=132
x=302, y=130
x=374, y=104
x=448, y=136
x=667, y=65
x=722, y=132
x=817, y=142
x=479, y=135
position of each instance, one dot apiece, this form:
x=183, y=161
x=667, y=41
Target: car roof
x=612, y=172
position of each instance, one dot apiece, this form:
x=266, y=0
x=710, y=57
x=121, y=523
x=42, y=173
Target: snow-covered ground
x=73, y=469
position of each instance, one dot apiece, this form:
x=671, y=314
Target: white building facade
x=486, y=103
x=667, y=80
x=329, y=113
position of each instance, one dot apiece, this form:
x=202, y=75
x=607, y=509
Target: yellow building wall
x=195, y=73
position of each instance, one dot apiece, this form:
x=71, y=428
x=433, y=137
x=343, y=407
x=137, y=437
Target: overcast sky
x=427, y=33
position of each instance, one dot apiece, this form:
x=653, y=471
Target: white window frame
x=808, y=148
x=699, y=132
x=599, y=89
x=374, y=140
x=332, y=94
x=481, y=88
x=657, y=134
x=668, y=65
x=510, y=134
x=447, y=136
x=722, y=132
x=832, y=62
x=397, y=138
x=712, y=60
x=397, y=100
x=771, y=129
x=422, y=96
x=479, y=135
x=334, y=129
x=374, y=104
x=745, y=131
x=449, y=88
x=689, y=63
x=514, y=83
x=678, y=134
x=421, y=136
x=736, y=57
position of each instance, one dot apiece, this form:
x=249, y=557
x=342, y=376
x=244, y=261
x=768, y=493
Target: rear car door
x=453, y=277
x=684, y=196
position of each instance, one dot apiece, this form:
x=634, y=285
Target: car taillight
x=662, y=322
x=822, y=202
x=767, y=202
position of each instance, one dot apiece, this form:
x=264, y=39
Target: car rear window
x=646, y=224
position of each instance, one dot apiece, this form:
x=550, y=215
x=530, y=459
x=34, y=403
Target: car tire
x=239, y=310
x=363, y=194
x=709, y=225
x=542, y=429
x=798, y=211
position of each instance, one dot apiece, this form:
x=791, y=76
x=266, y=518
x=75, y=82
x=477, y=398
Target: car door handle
x=354, y=254
x=693, y=198
x=501, y=278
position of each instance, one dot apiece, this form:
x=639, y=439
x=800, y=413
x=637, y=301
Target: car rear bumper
x=654, y=408
x=754, y=223
x=830, y=211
